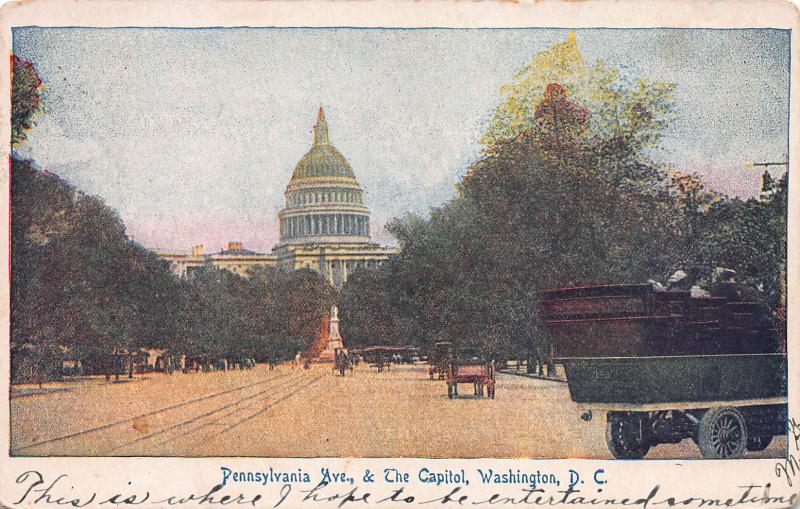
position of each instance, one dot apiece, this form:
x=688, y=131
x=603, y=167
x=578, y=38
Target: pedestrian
x=724, y=284
x=679, y=281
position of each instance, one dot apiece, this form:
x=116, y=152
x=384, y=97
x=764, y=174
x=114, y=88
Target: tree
x=215, y=318
x=78, y=283
x=564, y=194
x=285, y=310
x=749, y=237
x=563, y=63
x=26, y=89
x=560, y=125
x=547, y=222
x=269, y=315
x=80, y=287
x=367, y=315
x=632, y=111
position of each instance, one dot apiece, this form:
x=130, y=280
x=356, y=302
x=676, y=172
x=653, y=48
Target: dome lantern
x=322, y=160
x=321, y=129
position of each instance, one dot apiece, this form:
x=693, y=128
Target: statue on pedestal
x=334, y=338
x=333, y=333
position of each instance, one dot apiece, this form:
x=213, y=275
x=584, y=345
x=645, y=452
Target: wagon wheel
x=624, y=436
x=758, y=443
x=722, y=433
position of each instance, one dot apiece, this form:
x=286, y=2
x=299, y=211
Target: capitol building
x=324, y=225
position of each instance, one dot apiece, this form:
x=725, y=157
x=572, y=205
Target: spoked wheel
x=625, y=435
x=722, y=433
x=758, y=443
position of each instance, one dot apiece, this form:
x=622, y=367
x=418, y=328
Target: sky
x=192, y=134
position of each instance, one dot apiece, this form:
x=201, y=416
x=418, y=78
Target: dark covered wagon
x=666, y=366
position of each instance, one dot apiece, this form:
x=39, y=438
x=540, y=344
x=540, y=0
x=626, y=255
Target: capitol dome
x=324, y=201
x=322, y=160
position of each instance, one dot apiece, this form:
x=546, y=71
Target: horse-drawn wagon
x=479, y=373
x=439, y=359
x=379, y=357
x=665, y=366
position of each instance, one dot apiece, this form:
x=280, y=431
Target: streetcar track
x=216, y=421
x=532, y=376
x=270, y=405
x=146, y=414
x=201, y=416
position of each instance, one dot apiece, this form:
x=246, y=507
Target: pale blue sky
x=192, y=135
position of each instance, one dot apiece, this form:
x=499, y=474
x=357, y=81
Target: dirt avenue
x=310, y=413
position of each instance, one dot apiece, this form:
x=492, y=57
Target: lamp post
x=767, y=164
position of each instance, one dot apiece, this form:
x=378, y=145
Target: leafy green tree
x=286, y=309
x=40, y=205
x=26, y=89
x=79, y=285
x=215, y=321
x=269, y=315
x=749, y=237
x=368, y=310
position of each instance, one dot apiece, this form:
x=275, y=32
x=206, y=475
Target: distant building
x=323, y=227
x=234, y=258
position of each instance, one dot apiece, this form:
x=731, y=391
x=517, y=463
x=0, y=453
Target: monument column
x=334, y=338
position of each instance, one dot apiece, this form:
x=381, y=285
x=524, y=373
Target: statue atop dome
x=321, y=129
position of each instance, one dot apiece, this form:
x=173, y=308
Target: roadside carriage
x=665, y=366
x=478, y=372
x=440, y=359
x=380, y=357
x=409, y=354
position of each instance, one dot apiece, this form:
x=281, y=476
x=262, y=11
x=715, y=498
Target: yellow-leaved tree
x=621, y=107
